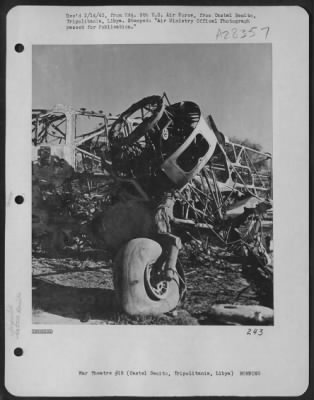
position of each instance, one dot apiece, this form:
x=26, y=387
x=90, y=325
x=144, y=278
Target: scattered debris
x=228, y=314
x=98, y=181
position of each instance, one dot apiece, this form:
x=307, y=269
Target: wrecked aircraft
x=171, y=175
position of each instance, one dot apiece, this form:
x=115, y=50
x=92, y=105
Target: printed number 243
x=257, y=332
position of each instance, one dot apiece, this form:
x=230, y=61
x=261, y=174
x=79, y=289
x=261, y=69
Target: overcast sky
x=232, y=82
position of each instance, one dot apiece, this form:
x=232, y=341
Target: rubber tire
x=129, y=279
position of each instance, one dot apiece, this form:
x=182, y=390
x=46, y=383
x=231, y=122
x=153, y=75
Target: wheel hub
x=155, y=282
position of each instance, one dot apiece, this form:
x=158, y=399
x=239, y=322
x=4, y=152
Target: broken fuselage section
x=155, y=147
x=172, y=143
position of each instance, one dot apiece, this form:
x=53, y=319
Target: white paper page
x=80, y=69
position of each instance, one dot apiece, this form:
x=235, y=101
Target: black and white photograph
x=157, y=208
x=152, y=189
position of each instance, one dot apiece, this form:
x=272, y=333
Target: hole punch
x=18, y=351
x=19, y=47
x=19, y=199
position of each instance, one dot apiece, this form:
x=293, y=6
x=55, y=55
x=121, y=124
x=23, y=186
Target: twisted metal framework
x=79, y=137
x=135, y=146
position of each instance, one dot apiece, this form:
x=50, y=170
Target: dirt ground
x=77, y=289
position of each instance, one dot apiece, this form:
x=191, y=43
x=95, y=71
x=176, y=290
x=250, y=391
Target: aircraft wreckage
x=156, y=175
